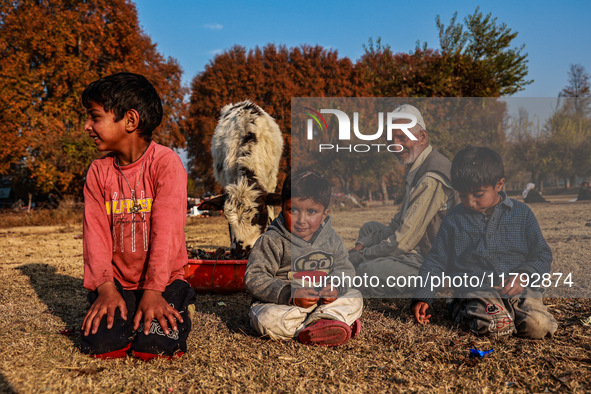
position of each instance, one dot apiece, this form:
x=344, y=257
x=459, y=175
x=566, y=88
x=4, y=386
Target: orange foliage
x=50, y=50
x=270, y=77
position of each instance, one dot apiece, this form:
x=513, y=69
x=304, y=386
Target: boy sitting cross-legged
x=488, y=236
x=292, y=267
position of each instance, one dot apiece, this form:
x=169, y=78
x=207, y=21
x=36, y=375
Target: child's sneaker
x=325, y=332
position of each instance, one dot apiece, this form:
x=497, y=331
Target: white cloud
x=216, y=51
x=213, y=26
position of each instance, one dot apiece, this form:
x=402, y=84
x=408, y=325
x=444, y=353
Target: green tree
x=476, y=59
x=489, y=45
x=49, y=51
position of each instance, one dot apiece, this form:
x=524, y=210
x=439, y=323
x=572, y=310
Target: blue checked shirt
x=508, y=241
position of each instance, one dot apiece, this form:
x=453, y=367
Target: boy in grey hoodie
x=299, y=271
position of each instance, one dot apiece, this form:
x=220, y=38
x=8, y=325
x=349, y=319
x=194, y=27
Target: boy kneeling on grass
x=293, y=265
x=135, y=201
x=492, y=236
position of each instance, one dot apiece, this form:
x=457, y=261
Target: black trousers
x=179, y=294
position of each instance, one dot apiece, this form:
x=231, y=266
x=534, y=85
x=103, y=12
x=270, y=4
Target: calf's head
x=248, y=210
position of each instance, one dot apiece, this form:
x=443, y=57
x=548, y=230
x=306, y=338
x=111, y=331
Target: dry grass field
x=41, y=295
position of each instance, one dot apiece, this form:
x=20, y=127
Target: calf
x=246, y=149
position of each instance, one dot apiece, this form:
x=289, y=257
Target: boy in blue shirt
x=488, y=236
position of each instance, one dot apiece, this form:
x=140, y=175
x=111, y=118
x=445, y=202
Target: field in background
x=67, y=212
x=41, y=294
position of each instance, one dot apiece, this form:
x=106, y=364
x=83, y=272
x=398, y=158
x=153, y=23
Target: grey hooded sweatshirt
x=278, y=255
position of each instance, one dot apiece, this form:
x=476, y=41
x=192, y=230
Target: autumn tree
x=270, y=77
x=569, y=127
x=348, y=170
x=576, y=96
x=530, y=149
x=570, y=146
x=49, y=51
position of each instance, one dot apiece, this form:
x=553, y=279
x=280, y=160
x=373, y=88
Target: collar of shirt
x=415, y=166
x=505, y=200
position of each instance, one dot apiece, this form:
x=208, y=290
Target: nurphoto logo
x=317, y=124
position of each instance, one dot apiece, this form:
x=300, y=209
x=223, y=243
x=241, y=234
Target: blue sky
x=193, y=31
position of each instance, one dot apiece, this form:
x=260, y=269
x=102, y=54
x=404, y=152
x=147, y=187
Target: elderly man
x=398, y=249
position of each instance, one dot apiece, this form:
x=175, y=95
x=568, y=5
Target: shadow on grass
x=231, y=309
x=5, y=386
x=64, y=295
x=399, y=308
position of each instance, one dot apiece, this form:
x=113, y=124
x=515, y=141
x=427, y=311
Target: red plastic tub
x=217, y=276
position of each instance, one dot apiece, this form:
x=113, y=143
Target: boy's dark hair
x=124, y=91
x=306, y=184
x=474, y=168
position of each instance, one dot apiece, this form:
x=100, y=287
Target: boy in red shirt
x=135, y=199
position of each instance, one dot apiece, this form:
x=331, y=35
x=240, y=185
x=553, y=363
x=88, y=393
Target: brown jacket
x=438, y=164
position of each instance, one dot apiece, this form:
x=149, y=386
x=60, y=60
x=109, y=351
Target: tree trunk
x=541, y=182
x=384, y=191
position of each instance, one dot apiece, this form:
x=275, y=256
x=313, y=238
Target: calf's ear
x=215, y=204
x=273, y=199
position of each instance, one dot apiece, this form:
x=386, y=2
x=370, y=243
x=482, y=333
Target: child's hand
x=513, y=286
x=305, y=298
x=328, y=294
x=419, y=310
x=357, y=248
x=107, y=302
x=154, y=306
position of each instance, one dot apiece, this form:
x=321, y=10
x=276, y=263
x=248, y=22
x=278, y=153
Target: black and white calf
x=246, y=149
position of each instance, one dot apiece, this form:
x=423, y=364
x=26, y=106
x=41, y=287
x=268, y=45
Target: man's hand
x=305, y=298
x=154, y=306
x=513, y=286
x=328, y=294
x=107, y=302
x=419, y=310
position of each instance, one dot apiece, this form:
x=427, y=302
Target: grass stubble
x=41, y=295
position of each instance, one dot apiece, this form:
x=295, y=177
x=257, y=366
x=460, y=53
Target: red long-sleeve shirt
x=143, y=250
